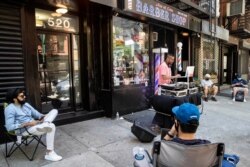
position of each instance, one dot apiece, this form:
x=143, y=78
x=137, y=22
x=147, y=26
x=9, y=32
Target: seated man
x=240, y=84
x=186, y=123
x=184, y=129
x=209, y=88
x=19, y=114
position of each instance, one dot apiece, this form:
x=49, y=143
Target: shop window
x=209, y=58
x=76, y=72
x=244, y=61
x=130, y=52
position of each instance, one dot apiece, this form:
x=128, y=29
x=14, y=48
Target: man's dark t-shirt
x=190, y=142
x=241, y=81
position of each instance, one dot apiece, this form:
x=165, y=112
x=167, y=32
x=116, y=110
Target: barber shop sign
x=158, y=10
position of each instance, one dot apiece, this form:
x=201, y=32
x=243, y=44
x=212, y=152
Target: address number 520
x=60, y=23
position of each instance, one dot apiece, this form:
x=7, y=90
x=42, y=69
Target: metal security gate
x=11, y=55
x=11, y=52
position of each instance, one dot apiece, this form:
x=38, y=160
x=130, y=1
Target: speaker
x=142, y=133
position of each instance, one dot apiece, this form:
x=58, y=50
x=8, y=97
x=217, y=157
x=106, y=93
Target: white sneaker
x=233, y=99
x=52, y=156
x=245, y=100
x=44, y=128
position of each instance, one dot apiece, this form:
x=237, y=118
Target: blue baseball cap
x=186, y=112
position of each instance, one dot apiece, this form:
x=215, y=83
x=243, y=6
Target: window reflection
x=53, y=57
x=130, y=53
x=76, y=65
x=209, y=58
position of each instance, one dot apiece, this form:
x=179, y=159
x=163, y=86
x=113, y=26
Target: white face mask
x=239, y=78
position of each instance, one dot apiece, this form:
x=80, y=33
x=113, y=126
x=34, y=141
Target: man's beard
x=169, y=65
x=21, y=102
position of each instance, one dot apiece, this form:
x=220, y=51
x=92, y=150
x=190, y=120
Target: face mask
x=239, y=78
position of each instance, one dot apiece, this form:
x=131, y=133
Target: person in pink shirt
x=165, y=70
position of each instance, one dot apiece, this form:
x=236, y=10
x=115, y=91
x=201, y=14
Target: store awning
x=189, y=7
x=241, y=33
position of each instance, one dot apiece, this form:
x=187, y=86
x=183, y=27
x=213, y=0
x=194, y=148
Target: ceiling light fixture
x=185, y=34
x=56, y=14
x=62, y=10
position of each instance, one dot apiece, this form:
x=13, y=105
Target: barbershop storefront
x=140, y=27
x=90, y=62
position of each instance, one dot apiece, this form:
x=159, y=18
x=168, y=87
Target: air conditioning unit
x=236, y=8
x=206, y=6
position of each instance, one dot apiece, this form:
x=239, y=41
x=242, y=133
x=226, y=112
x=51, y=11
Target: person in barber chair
x=240, y=84
x=209, y=88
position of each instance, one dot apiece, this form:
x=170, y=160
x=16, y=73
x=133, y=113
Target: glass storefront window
x=209, y=58
x=76, y=72
x=53, y=59
x=130, y=52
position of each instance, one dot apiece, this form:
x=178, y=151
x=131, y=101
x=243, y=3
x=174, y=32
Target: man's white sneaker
x=52, y=156
x=245, y=100
x=233, y=99
x=44, y=128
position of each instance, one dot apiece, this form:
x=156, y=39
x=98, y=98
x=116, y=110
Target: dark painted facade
x=68, y=62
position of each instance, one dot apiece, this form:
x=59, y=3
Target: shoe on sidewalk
x=245, y=100
x=44, y=128
x=52, y=156
x=233, y=99
x=213, y=99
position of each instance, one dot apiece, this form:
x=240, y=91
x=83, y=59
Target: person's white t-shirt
x=206, y=83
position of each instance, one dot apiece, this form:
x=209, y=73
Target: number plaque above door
x=54, y=21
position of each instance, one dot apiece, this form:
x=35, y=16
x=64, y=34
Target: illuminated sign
x=158, y=10
x=51, y=20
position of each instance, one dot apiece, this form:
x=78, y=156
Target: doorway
x=228, y=64
x=58, y=70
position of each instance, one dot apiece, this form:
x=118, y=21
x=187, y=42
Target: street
x=104, y=142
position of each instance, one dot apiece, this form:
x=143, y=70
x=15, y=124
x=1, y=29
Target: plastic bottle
x=117, y=116
x=159, y=90
x=140, y=154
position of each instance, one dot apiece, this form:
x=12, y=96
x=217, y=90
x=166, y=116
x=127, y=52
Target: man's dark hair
x=168, y=55
x=13, y=93
x=190, y=127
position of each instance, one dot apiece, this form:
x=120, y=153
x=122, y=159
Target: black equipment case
x=142, y=133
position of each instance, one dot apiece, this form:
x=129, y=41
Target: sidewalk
x=104, y=142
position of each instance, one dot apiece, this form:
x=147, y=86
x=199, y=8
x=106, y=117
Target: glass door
x=54, y=64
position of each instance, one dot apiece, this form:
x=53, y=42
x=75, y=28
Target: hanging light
x=61, y=10
x=55, y=14
x=185, y=34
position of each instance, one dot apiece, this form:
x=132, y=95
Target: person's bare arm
x=171, y=133
x=165, y=77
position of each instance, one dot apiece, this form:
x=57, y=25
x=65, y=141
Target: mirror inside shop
x=130, y=52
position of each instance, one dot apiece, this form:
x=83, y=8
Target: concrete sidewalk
x=104, y=142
